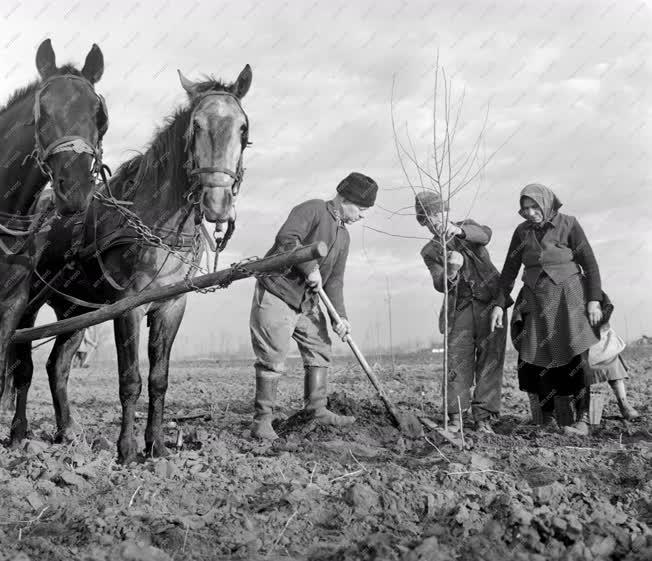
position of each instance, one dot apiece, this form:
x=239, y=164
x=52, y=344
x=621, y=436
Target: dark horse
x=154, y=204
x=50, y=130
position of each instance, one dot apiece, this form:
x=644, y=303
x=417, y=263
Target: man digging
x=286, y=306
x=476, y=355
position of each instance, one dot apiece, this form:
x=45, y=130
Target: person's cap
x=427, y=204
x=358, y=188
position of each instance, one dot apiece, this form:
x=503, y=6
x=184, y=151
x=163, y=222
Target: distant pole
x=378, y=345
x=391, y=335
x=626, y=330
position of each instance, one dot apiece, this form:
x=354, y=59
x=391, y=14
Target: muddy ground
x=360, y=493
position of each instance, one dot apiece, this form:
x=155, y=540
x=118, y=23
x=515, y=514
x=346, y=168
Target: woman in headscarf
x=558, y=307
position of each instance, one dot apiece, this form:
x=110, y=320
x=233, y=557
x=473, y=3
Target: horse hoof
x=127, y=452
x=127, y=460
x=16, y=442
x=17, y=436
x=156, y=449
x=68, y=434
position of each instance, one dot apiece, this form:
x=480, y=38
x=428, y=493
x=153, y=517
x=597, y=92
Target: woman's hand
x=496, y=318
x=594, y=310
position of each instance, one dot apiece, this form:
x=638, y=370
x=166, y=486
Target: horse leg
x=127, y=331
x=58, y=368
x=164, y=323
x=14, y=294
x=20, y=366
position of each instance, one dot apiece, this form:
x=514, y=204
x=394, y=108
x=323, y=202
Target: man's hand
x=342, y=329
x=453, y=230
x=455, y=261
x=496, y=318
x=450, y=230
x=595, y=312
x=313, y=280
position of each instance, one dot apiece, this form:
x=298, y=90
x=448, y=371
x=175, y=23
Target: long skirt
x=550, y=325
x=549, y=383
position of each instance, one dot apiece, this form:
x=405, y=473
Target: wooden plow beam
x=270, y=264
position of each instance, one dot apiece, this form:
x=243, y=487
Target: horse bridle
x=193, y=172
x=236, y=175
x=69, y=143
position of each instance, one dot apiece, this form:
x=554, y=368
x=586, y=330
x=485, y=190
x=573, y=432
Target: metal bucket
x=599, y=396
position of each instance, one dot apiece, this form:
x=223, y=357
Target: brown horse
x=50, y=130
x=192, y=169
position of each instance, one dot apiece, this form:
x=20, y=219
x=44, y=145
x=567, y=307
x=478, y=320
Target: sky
x=559, y=92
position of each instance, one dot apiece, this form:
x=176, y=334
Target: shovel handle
x=358, y=354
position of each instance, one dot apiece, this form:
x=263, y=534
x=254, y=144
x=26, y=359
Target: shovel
x=408, y=424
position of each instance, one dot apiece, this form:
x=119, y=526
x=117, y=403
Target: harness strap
x=106, y=274
x=12, y=258
x=23, y=260
x=77, y=144
x=225, y=171
x=14, y=233
x=67, y=297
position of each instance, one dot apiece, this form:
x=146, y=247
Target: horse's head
x=70, y=120
x=217, y=135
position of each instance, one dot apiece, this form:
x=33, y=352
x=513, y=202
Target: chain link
x=147, y=235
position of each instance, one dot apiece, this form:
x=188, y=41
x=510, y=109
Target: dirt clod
x=366, y=492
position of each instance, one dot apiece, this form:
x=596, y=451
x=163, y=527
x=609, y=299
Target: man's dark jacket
x=309, y=222
x=478, y=274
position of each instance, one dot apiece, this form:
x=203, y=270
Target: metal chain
x=146, y=233
x=197, y=249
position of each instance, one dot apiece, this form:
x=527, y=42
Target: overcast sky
x=567, y=85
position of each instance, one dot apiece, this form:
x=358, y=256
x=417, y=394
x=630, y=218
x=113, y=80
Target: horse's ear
x=186, y=84
x=94, y=65
x=45, y=60
x=242, y=84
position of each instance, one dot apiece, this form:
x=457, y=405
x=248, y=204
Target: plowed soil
x=365, y=492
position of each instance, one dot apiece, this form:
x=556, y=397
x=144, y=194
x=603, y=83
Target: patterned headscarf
x=544, y=197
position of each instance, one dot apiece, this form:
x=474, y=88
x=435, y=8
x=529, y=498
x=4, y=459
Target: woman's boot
x=626, y=410
x=535, y=409
x=315, y=398
x=581, y=426
x=266, y=390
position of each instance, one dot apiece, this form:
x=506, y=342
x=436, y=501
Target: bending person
x=286, y=306
x=476, y=355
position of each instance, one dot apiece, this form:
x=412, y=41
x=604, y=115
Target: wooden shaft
x=358, y=354
x=110, y=311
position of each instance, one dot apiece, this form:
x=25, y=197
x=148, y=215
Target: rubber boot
x=484, y=425
x=315, y=398
x=535, y=408
x=266, y=390
x=626, y=410
x=548, y=420
x=581, y=426
x=454, y=422
x=565, y=408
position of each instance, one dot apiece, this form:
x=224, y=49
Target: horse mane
x=164, y=161
x=21, y=93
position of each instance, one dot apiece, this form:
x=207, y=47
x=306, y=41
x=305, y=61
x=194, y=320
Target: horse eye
x=195, y=125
